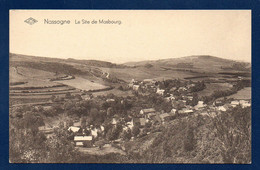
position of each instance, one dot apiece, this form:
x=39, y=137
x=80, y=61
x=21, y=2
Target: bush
x=189, y=141
x=135, y=131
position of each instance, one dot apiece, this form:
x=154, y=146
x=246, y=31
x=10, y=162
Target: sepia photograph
x=130, y=86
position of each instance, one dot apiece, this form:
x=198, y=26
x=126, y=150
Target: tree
x=68, y=95
x=120, y=88
x=83, y=122
x=195, y=99
x=189, y=142
x=135, y=131
x=234, y=133
x=126, y=135
x=110, y=112
x=77, y=96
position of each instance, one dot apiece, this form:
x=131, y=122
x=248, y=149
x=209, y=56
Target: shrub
x=189, y=141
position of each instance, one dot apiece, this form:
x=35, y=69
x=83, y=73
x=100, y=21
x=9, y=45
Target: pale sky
x=142, y=35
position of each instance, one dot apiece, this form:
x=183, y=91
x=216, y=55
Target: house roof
x=148, y=110
x=82, y=138
x=148, y=80
x=110, y=100
x=188, y=111
x=73, y=128
x=151, y=114
x=222, y=108
x=235, y=102
x=77, y=124
x=142, y=121
x=164, y=115
x=157, y=118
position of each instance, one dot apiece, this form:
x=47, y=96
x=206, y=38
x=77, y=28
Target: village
x=178, y=99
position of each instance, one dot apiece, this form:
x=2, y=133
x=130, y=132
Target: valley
x=125, y=113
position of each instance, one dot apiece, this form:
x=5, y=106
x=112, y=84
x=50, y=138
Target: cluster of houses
x=152, y=85
x=181, y=105
x=84, y=137
x=87, y=135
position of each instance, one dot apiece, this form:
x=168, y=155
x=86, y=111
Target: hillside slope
x=201, y=62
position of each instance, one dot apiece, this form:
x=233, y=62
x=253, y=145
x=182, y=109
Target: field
x=140, y=73
x=31, y=86
x=245, y=94
x=30, y=76
x=83, y=84
x=211, y=87
x=115, y=92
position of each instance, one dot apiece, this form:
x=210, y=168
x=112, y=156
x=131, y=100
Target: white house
x=146, y=111
x=244, y=103
x=188, y=111
x=80, y=139
x=173, y=111
x=94, y=132
x=185, y=110
x=73, y=129
x=234, y=103
x=114, y=121
x=110, y=100
x=130, y=124
x=136, y=87
x=102, y=128
x=150, y=81
x=160, y=91
x=222, y=108
x=199, y=105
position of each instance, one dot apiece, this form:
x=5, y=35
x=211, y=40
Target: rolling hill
x=202, y=62
x=190, y=66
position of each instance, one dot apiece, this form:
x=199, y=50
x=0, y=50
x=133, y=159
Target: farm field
x=140, y=73
x=113, y=91
x=83, y=84
x=43, y=93
x=211, y=87
x=28, y=74
x=245, y=94
x=25, y=100
x=35, y=73
x=37, y=83
x=47, y=89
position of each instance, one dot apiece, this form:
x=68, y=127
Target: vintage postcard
x=130, y=86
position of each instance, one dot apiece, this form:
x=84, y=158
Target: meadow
x=211, y=87
x=83, y=84
x=245, y=94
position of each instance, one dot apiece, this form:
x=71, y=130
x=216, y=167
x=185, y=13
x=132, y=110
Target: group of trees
x=27, y=146
x=194, y=101
x=225, y=138
x=198, y=86
x=223, y=93
x=233, y=129
x=158, y=102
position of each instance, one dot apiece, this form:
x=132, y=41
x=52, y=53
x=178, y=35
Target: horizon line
x=66, y=58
